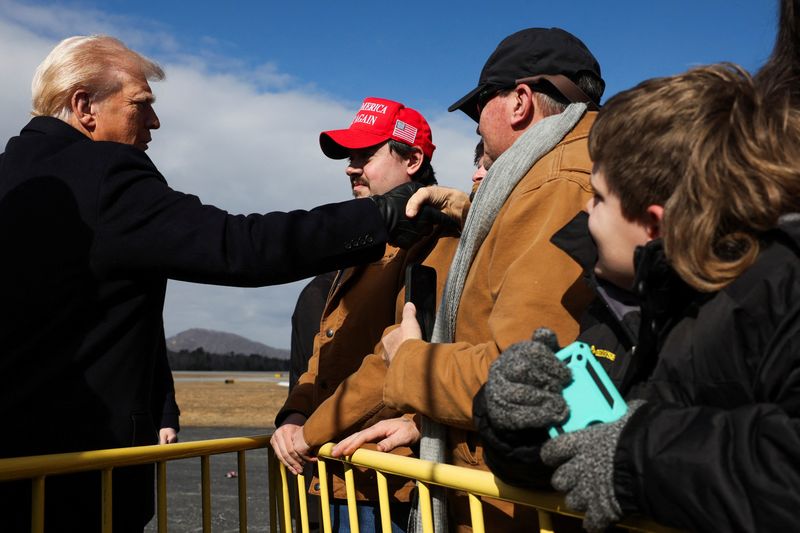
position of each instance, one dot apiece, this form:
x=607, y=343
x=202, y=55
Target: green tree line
x=199, y=359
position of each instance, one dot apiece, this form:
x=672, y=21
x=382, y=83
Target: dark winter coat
x=89, y=233
x=717, y=448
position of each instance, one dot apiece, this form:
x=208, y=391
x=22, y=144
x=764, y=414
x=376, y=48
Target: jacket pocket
x=464, y=454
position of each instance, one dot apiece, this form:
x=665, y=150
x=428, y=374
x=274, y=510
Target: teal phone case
x=592, y=397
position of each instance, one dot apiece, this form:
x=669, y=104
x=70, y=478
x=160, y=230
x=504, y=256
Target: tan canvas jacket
x=518, y=282
x=361, y=305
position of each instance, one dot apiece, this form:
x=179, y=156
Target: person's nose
x=153, y=123
x=589, y=205
x=353, y=170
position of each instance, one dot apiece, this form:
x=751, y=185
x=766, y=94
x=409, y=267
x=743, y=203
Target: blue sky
x=430, y=52
x=250, y=85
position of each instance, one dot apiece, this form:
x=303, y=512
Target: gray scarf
x=495, y=188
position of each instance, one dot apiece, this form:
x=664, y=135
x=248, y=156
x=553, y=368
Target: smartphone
x=591, y=396
x=421, y=291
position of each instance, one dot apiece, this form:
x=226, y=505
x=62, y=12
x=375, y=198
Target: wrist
x=297, y=419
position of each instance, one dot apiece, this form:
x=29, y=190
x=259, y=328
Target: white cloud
x=245, y=141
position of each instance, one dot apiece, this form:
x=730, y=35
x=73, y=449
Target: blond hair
x=93, y=63
x=716, y=152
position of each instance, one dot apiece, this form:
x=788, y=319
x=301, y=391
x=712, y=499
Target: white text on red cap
x=376, y=108
x=365, y=118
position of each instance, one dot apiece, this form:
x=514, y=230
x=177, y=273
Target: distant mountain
x=221, y=342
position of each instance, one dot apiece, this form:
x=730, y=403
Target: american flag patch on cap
x=404, y=131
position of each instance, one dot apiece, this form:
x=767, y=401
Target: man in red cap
x=387, y=144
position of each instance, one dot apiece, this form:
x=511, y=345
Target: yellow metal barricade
x=475, y=483
x=39, y=467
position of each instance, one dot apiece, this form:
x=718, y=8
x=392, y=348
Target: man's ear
x=654, y=218
x=524, y=106
x=83, y=111
x=414, y=161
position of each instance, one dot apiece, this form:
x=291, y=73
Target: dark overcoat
x=89, y=234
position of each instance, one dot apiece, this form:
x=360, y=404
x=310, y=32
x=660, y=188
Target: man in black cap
x=534, y=103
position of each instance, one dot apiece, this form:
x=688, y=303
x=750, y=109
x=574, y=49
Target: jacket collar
x=665, y=299
x=575, y=240
x=52, y=126
x=581, y=129
x=790, y=225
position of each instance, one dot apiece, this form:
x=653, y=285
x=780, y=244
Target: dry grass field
x=237, y=404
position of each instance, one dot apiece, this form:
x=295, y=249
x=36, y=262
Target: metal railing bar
x=350, y=488
x=476, y=513
x=286, y=503
x=478, y=482
x=107, y=500
x=272, y=484
x=205, y=491
x=37, y=504
x=383, y=500
x=161, y=495
x=425, y=508
x=302, y=502
x=241, y=464
x=545, y=522
x=324, y=496
x=65, y=463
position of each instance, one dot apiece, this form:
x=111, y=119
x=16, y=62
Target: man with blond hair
x=90, y=233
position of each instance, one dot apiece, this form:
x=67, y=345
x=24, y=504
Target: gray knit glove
x=587, y=472
x=525, y=384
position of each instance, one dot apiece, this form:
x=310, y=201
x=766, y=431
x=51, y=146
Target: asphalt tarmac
x=184, y=503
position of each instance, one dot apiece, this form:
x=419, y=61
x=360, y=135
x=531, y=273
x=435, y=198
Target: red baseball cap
x=377, y=121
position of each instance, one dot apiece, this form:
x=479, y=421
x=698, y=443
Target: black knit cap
x=530, y=52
